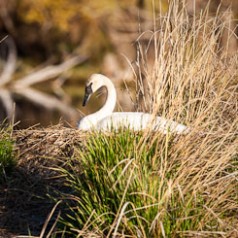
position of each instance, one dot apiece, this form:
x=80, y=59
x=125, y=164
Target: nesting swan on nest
x=106, y=120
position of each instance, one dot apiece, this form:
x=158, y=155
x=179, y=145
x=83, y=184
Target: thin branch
x=22, y=86
x=8, y=103
x=47, y=101
x=48, y=72
x=10, y=65
x=3, y=39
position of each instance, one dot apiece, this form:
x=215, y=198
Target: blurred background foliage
x=105, y=32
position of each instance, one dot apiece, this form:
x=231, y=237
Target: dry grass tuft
x=53, y=141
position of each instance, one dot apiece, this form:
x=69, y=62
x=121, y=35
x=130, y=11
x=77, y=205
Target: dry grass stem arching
x=189, y=72
x=23, y=86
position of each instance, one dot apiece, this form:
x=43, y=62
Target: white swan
x=106, y=120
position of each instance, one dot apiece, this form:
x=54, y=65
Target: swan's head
x=95, y=82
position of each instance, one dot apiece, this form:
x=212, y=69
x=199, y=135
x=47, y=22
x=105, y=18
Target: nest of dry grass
x=39, y=147
x=24, y=198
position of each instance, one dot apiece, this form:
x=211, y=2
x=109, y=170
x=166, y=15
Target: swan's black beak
x=88, y=93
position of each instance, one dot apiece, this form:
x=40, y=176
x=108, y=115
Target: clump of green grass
x=147, y=186
x=7, y=161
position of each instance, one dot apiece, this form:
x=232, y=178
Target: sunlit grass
x=139, y=186
x=7, y=160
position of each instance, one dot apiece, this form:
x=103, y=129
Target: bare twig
x=48, y=72
x=44, y=100
x=7, y=101
x=23, y=86
x=10, y=65
x=3, y=39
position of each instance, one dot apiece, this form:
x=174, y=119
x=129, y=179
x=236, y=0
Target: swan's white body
x=106, y=120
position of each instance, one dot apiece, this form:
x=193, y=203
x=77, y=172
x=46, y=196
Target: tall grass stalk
x=151, y=185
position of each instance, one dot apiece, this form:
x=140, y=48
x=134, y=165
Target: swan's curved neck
x=110, y=103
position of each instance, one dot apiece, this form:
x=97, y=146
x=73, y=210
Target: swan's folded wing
x=137, y=121
x=127, y=120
